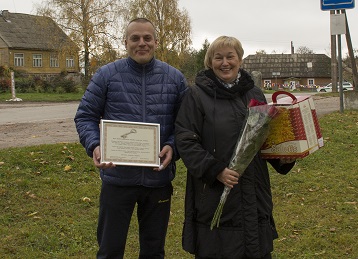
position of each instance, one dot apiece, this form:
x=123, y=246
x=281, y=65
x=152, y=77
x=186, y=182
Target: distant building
x=36, y=45
x=290, y=71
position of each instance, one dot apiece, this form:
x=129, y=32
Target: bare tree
x=172, y=24
x=91, y=24
x=304, y=50
x=261, y=51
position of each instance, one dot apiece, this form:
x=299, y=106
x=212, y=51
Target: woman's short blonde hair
x=222, y=41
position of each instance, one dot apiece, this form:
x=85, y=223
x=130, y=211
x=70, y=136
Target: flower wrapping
x=251, y=139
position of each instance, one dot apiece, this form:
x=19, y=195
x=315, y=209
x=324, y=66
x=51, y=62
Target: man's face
x=140, y=42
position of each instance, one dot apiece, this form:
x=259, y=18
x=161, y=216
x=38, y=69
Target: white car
x=328, y=88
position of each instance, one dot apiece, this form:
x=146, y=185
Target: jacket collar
x=140, y=67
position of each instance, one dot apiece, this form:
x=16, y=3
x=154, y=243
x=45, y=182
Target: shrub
x=24, y=85
x=5, y=84
x=38, y=84
x=61, y=83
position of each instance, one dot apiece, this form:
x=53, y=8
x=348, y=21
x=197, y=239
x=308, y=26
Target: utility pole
x=351, y=54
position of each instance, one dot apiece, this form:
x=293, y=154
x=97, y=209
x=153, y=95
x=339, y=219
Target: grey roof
x=289, y=65
x=25, y=31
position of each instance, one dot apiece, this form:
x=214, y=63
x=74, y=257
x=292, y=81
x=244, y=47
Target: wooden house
x=36, y=45
x=290, y=71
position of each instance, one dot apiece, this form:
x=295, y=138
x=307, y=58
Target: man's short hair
x=141, y=20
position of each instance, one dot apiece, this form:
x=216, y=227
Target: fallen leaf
x=31, y=195
x=86, y=199
x=32, y=214
x=68, y=168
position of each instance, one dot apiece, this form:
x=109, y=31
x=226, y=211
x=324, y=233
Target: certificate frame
x=130, y=143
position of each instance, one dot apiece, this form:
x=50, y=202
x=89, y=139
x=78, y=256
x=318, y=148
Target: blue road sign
x=336, y=4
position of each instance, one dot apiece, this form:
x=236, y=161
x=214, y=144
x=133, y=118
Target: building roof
x=289, y=65
x=25, y=31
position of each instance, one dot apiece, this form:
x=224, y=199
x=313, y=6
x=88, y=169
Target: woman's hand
x=228, y=177
x=287, y=160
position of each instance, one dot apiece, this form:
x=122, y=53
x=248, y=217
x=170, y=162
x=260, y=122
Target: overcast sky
x=268, y=25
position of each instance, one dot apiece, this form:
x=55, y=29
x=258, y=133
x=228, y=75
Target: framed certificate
x=130, y=143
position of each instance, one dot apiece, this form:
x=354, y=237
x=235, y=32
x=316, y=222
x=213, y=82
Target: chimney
x=292, y=48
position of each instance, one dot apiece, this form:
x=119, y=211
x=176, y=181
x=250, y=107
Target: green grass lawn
x=49, y=201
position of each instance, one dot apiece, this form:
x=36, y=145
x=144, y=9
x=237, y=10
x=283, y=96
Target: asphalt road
x=22, y=112
x=31, y=124
x=31, y=112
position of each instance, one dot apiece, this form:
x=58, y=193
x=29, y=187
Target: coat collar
x=207, y=80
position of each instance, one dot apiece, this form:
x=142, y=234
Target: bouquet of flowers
x=251, y=139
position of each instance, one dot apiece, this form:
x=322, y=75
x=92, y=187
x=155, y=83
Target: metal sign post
x=338, y=27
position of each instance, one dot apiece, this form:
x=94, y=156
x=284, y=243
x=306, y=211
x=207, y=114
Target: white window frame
x=70, y=62
x=19, y=60
x=310, y=82
x=54, y=62
x=37, y=60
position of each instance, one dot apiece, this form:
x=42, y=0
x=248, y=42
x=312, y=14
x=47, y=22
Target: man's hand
x=97, y=160
x=228, y=177
x=166, y=156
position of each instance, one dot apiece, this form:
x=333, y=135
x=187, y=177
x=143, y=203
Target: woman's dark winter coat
x=207, y=128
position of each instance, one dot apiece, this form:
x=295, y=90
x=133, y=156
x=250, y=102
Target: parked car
x=328, y=88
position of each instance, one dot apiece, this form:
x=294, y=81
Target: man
x=139, y=88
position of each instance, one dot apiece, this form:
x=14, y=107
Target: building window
x=37, y=60
x=267, y=84
x=54, y=60
x=18, y=60
x=310, y=82
x=70, y=62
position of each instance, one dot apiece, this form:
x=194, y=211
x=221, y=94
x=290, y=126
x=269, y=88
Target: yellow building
x=36, y=45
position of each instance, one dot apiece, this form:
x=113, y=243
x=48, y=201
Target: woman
x=207, y=128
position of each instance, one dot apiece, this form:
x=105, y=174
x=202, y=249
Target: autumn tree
x=91, y=24
x=173, y=27
x=107, y=54
x=193, y=62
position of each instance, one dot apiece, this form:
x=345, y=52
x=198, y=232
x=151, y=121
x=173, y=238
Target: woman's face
x=226, y=64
